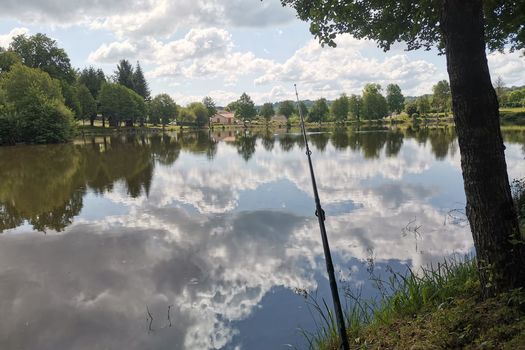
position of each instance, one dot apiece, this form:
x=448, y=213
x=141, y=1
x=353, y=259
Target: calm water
x=198, y=242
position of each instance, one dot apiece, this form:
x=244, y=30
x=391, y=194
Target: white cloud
x=5, y=39
x=113, y=52
x=510, y=66
x=149, y=17
x=328, y=72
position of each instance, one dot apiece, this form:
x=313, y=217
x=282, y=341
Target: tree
x=411, y=108
x=140, y=85
x=267, y=112
x=287, y=108
x=162, y=109
x=319, y=111
x=118, y=104
x=245, y=108
x=304, y=109
x=7, y=60
x=42, y=52
x=355, y=105
x=499, y=86
x=87, y=103
x=232, y=107
x=210, y=106
x=374, y=104
x=93, y=79
x=463, y=30
x=516, y=98
x=124, y=74
x=201, y=113
x=441, y=98
x=340, y=108
x=423, y=105
x=70, y=93
x=34, y=110
x=394, y=98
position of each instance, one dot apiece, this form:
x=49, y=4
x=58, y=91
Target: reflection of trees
x=340, y=138
x=268, y=140
x=245, y=144
x=320, y=141
x=394, y=141
x=287, y=141
x=441, y=141
x=45, y=185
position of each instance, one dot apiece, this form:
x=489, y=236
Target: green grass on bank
x=437, y=308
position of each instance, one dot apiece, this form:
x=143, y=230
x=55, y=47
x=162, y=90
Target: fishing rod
x=319, y=212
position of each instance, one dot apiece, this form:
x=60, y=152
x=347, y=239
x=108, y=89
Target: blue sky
x=194, y=48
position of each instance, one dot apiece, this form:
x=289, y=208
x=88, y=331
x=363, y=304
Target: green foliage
x=411, y=108
x=162, y=109
x=423, y=105
x=186, y=116
x=340, y=108
x=124, y=74
x=245, y=108
x=33, y=108
x=516, y=98
x=200, y=112
x=40, y=51
x=88, y=105
x=232, y=107
x=210, y=106
x=267, y=111
x=441, y=98
x=118, y=104
x=374, y=103
x=93, y=79
x=287, y=108
x=414, y=22
x=140, y=85
x=355, y=106
x=7, y=60
x=319, y=111
x=304, y=109
x=394, y=98
x=70, y=94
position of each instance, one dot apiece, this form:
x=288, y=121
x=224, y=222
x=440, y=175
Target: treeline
x=509, y=97
x=41, y=95
x=371, y=104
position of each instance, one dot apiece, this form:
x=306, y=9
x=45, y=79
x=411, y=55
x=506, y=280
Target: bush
x=33, y=109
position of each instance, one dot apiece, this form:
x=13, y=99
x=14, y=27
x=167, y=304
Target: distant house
x=223, y=117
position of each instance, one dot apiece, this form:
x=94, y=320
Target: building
x=223, y=117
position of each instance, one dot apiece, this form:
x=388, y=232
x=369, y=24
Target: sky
x=222, y=48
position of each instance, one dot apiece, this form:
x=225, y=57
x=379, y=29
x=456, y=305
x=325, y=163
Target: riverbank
x=439, y=308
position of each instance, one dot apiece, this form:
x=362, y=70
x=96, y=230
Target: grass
x=436, y=308
x=512, y=116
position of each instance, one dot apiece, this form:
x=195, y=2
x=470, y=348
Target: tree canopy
x=287, y=108
x=140, y=85
x=245, y=108
x=162, y=109
x=394, y=98
x=267, y=111
x=374, y=103
x=40, y=51
x=93, y=79
x=441, y=98
x=417, y=23
x=124, y=74
x=319, y=111
x=33, y=108
x=340, y=108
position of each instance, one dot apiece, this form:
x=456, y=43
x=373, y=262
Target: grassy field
x=436, y=308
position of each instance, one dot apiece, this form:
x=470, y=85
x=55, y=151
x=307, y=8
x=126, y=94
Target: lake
x=206, y=240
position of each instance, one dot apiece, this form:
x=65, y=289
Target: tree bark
x=490, y=208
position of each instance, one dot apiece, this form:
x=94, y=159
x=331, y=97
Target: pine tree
x=140, y=85
x=124, y=74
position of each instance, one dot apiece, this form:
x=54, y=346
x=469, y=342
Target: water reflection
x=216, y=228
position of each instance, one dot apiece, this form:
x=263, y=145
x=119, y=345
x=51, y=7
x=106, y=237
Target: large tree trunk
x=490, y=209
